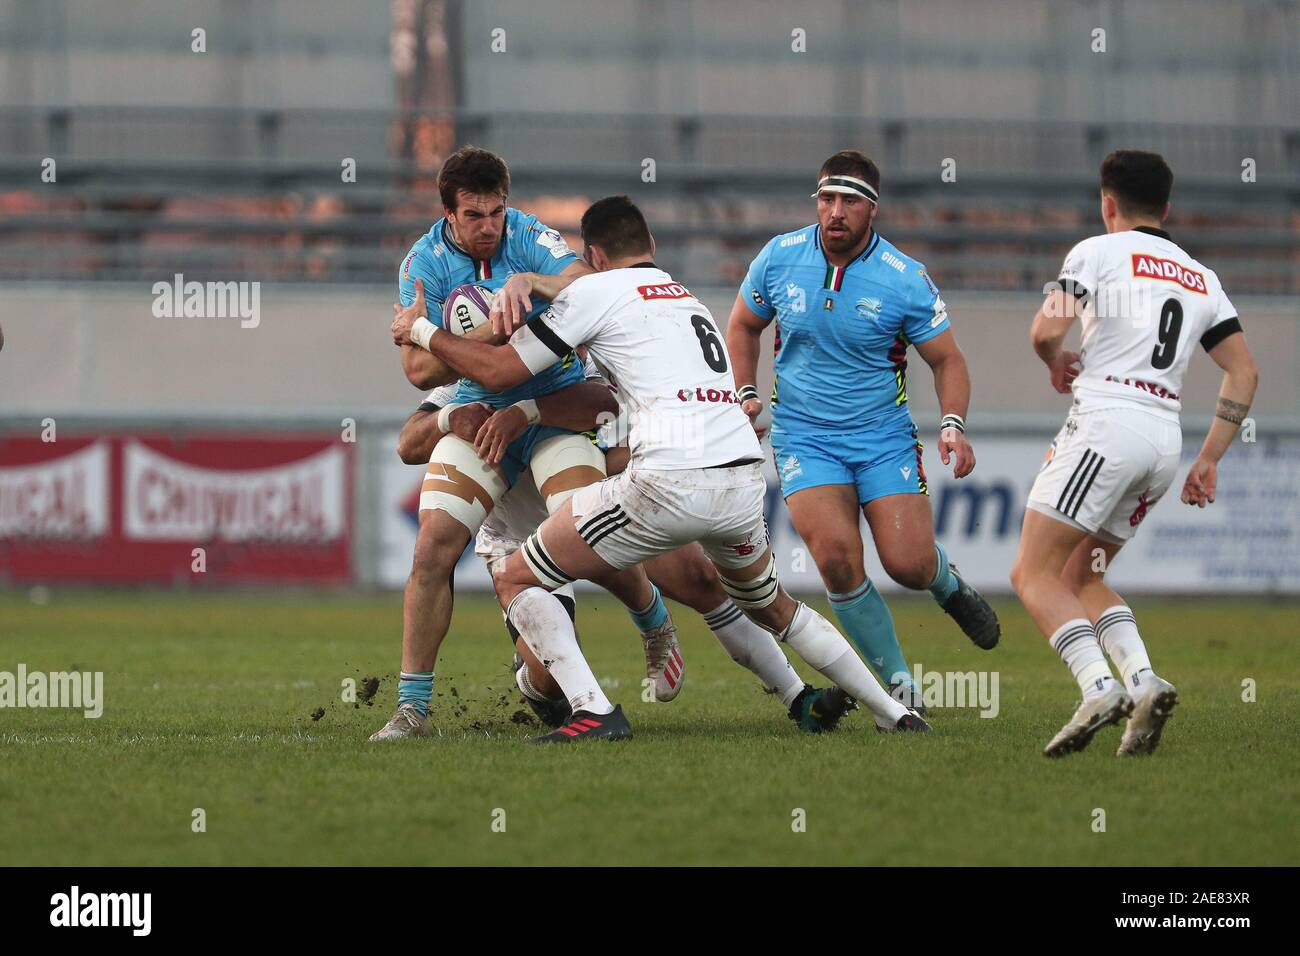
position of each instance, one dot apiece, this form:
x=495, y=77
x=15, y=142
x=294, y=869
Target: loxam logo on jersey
x=1154, y=267
x=674, y=290
x=723, y=395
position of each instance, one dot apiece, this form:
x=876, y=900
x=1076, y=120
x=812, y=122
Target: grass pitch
x=209, y=703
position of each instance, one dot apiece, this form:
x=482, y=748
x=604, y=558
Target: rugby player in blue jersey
x=481, y=240
x=847, y=305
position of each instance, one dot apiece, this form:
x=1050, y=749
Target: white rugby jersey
x=1146, y=304
x=662, y=353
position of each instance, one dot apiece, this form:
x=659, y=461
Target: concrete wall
x=99, y=348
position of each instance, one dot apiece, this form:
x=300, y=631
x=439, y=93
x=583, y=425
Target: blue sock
x=416, y=688
x=945, y=582
x=653, y=616
x=870, y=626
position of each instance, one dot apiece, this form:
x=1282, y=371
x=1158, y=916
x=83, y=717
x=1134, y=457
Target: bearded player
x=847, y=305
x=480, y=240
x=1143, y=304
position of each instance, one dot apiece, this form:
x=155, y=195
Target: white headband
x=847, y=184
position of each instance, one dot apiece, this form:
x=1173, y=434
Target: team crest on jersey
x=796, y=294
x=869, y=308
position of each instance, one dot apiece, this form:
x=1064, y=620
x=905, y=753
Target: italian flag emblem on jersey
x=834, y=277
x=482, y=270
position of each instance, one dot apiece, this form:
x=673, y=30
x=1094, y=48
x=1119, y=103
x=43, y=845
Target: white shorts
x=641, y=514
x=1106, y=469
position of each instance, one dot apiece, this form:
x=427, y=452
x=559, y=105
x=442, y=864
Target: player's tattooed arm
x=1240, y=379
x=1233, y=412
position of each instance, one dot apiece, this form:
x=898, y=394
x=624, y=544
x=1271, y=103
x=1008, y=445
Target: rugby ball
x=466, y=308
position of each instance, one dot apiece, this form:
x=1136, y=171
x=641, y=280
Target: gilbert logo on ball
x=466, y=308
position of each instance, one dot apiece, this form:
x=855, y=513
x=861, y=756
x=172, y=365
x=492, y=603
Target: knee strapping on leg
x=554, y=456
x=550, y=574
x=757, y=593
x=460, y=483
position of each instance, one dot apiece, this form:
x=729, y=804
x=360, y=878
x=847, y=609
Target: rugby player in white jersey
x=694, y=475
x=1144, y=304
x=685, y=575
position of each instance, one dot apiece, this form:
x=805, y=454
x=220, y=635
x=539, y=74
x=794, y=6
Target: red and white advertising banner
x=64, y=497
x=166, y=499
x=206, y=509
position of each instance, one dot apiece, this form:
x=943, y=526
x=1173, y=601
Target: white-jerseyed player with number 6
x=1144, y=304
x=695, y=472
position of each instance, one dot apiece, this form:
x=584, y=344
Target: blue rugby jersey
x=442, y=265
x=842, y=332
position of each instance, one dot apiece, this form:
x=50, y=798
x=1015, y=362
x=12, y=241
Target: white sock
x=1118, y=632
x=754, y=648
x=1077, y=644
x=525, y=685
x=818, y=642
x=545, y=626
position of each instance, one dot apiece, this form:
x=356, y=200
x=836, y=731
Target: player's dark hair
x=475, y=170
x=617, y=226
x=1139, y=181
x=850, y=162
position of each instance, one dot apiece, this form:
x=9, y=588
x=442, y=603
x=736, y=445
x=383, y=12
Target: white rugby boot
x=405, y=722
x=663, y=660
x=1153, y=706
x=1091, y=716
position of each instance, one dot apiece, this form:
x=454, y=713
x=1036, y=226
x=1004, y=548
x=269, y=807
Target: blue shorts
x=519, y=453
x=877, y=463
